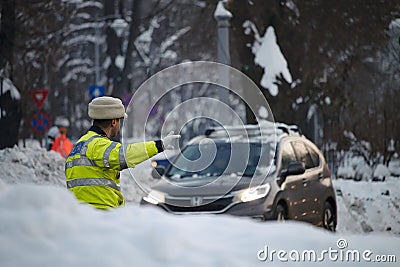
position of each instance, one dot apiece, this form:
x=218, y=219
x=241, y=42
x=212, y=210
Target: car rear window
x=314, y=156
x=302, y=154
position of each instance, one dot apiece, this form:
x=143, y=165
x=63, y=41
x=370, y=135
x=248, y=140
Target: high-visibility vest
x=92, y=168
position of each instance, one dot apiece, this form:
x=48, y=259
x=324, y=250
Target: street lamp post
x=222, y=16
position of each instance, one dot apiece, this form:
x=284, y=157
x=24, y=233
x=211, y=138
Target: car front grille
x=189, y=204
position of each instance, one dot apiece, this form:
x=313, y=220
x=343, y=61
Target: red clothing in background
x=62, y=145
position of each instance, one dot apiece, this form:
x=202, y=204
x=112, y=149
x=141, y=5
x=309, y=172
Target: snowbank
x=367, y=206
x=44, y=226
x=31, y=165
x=345, y=172
x=381, y=172
x=394, y=167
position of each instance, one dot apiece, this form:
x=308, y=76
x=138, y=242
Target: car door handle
x=304, y=180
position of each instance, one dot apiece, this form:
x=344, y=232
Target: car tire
x=281, y=213
x=328, y=217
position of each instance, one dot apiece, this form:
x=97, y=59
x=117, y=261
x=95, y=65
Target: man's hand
x=169, y=140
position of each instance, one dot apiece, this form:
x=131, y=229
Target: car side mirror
x=157, y=172
x=294, y=168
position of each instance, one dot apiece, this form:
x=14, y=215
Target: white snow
x=49, y=228
x=394, y=167
x=292, y=6
x=86, y=4
x=146, y=36
x=222, y=12
x=394, y=24
x=363, y=172
x=83, y=39
x=119, y=25
x=73, y=1
x=171, y=39
x=345, y=172
x=9, y=86
x=61, y=121
x=41, y=224
x=381, y=172
x=327, y=100
x=311, y=111
x=269, y=56
x=201, y=4
x=355, y=161
x=371, y=206
x=263, y=112
x=32, y=165
x=120, y=62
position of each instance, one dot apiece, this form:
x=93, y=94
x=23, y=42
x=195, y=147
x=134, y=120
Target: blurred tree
x=343, y=56
x=10, y=109
x=331, y=47
x=38, y=49
x=7, y=35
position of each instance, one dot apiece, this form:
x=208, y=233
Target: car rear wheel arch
x=329, y=206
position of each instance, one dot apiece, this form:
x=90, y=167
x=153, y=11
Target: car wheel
x=281, y=213
x=329, y=220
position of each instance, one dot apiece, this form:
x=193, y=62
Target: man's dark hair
x=102, y=123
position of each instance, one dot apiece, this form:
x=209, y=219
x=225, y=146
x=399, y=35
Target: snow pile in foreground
x=42, y=225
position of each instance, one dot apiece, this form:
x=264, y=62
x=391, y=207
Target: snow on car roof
x=265, y=131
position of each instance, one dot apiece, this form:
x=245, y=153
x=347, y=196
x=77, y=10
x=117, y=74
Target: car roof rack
x=289, y=129
x=253, y=130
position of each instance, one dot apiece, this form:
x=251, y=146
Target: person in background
x=92, y=169
x=61, y=144
x=52, y=134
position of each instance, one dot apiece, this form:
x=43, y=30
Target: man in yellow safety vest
x=92, y=168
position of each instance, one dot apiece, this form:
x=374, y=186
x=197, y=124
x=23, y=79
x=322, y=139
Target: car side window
x=314, y=156
x=302, y=154
x=287, y=155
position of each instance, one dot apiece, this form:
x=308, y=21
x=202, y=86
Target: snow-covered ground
x=368, y=206
x=31, y=165
x=41, y=224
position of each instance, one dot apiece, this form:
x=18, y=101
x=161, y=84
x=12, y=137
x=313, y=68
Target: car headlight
x=155, y=197
x=253, y=193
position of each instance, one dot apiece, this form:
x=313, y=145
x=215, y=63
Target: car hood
x=209, y=186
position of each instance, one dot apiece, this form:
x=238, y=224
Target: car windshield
x=216, y=159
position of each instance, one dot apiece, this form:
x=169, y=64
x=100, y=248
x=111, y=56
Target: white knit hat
x=106, y=107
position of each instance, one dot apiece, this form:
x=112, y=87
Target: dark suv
x=279, y=175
